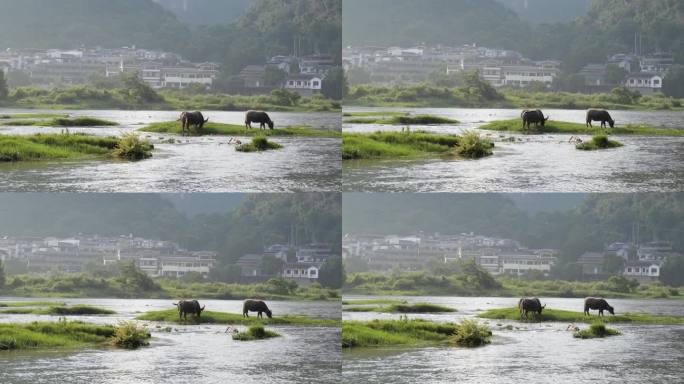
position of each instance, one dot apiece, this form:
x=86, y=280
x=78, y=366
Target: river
x=195, y=164
x=189, y=353
x=540, y=163
x=534, y=353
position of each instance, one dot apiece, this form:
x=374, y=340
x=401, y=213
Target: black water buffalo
x=188, y=306
x=530, y=305
x=533, y=116
x=600, y=304
x=258, y=117
x=192, y=118
x=255, y=306
x=599, y=115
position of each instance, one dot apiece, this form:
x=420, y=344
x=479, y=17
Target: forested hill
x=548, y=11
x=254, y=221
x=265, y=29
x=448, y=22
x=608, y=27
x=72, y=23
x=206, y=12
x=597, y=220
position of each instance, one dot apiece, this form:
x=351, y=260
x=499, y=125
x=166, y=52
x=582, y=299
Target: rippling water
x=190, y=353
x=196, y=164
x=535, y=353
x=544, y=163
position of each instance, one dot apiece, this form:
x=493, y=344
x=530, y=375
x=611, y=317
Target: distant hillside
x=548, y=11
x=72, y=23
x=449, y=22
x=206, y=12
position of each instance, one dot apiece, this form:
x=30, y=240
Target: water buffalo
x=255, y=306
x=536, y=116
x=599, y=115
x=188, y=306
x=192, y=118
x=530, y=305
x=600, y=304
x=258, y=117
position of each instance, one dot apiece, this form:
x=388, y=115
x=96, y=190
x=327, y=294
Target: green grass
x=131, y=147
x=63, y=122
x=32, y=116
x=596, y=329
x=255, y=332
x=30, y=303
x=51, y=335
x=372, y=301
x=61, y=310
x=404, y=120
x=387, y=145
x=560, y=315
x=402, y=308
x=515, y=125
x=412, y=333
x=598, y=142
x=54, y=147
x=210, y=317
x=130, y=335
x=258, y=144
x=211, y=128
x=374, y=113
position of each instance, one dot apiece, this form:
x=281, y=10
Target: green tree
x=273, y=76
x=271, y=265
x=4, y=91
x=2, y=275
x=479, y=88
x=193, y=277
x=673, y=83
x=615, y=74
x=335, y=85
x=622, y=284
x=476, y=277
x=332, y=274
x=281, y=286
x=672, y=272
x=132, y=277
x=139, y=90
x=623, y=95
x=285, y=97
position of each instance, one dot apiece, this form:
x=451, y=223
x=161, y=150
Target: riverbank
x=558, y=315
x=407, y=144
x=431, y=96
x=515, y=125
x=69, y=335
x=424, y=284
x=210, y=128
x=401, y=308
x=85, y=286
x=413, y=333
x=211, y=317
x=77, y=146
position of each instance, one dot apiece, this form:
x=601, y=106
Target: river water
x=189, y=353
x=541, y=163
x=195, y=164
x=533, y=353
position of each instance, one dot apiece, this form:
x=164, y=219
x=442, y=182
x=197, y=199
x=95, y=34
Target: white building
x=304, y=84
x=644, y=82
x=642, y=270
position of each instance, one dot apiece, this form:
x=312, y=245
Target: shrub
x=473, y=146
x=130, y=336
x=471, y=334
x=131, y=147
x=255, y=332
x=258, y=144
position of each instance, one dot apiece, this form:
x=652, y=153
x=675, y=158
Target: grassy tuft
x=78, y=310
x=258, y=144
x=374, y=113
x=30, y=303
x=598, y=142
x=471, y=334
x=61, y=334
x=579, y=317
x=210, y=317
x=129, y=335
x=63, y=122
x=515, y=125
x=211, y=128
x=473, y=146
x=372, y=301
x=596, y=329
x=131, y=147
x=404, y=120
x=255, y=332
x=379, y=145
x=53, y=147
x=403, y=308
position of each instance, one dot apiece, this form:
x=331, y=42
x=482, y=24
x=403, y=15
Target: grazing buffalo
x=600, y=304
x=529, y=117
x=599, y=115
x=192, y=118
x=530, y=305
x=255, y=306
x=188, y=306
x=258, y=117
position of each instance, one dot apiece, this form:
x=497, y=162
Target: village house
x=304, y=84
x=642, y=271
x=645, y=83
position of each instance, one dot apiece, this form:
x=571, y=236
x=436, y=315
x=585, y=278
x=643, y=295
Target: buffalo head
x=199, y=311
x=270, y=124
x=269, y=313
x=611, y=122
x=610, y=309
